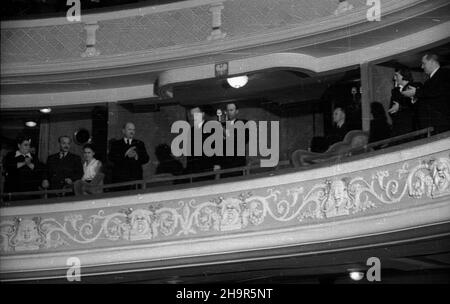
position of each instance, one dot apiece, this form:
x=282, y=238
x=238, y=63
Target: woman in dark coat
x=402, y=108
x=22, y=171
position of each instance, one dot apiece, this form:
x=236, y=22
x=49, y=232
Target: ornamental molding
x=113, y=55
x=296, y=204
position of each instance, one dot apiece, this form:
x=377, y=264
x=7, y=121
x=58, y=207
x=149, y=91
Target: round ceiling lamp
x=45, y=110
x=31, y=124
x=356, y=275
x=238, y=82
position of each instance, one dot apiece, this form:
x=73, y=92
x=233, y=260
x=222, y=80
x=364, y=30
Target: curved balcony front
x=400, y=195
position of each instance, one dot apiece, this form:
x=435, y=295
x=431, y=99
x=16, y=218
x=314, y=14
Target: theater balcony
x=147, y=64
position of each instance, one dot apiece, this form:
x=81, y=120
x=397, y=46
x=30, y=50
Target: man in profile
x=127, y=155
x=63, y=168
x=433, y=98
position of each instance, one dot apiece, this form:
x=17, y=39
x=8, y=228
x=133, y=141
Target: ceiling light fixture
x=356, y=275
x=237, y=82
x=31, y=124
x=45, y=110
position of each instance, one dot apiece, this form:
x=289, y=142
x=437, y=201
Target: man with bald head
x=127, y=155
x=434, y=97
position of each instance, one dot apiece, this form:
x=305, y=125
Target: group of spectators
x=66, y=170
x=23, y=171
x=413, y=106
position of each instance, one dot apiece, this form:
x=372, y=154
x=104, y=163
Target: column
x=367, y=94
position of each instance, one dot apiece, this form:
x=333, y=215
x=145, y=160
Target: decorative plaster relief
x=333, y=197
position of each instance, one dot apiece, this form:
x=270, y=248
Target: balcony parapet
x=378, y=194
x=177, y=30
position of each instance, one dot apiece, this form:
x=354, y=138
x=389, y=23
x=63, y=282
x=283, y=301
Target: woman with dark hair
x=402, y=108
x=23, y=172
x=92, y=176
x=379, y=127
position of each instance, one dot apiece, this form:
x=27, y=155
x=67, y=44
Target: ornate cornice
x=113, y=54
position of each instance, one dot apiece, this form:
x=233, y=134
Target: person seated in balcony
x=63, y=168
x=92, y=178
x=379, y=127
x=402, y=108
x=340, y=127
x=128, y=155
x=433, y=98
x=23, y=172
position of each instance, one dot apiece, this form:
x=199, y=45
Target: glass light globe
x=31, y=124
x=45, y=110
x=237, y=82
x=356, y=275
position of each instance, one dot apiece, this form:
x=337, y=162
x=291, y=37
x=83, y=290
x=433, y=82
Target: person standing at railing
x=235, y=160
x=127, y=155
x=63, y=168
x=92, y=179
x=402, y=109
x=434, y=97
x=23, y=171
x=199, y=163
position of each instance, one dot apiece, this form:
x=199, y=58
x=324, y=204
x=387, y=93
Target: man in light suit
x=128, y=155
x=433, y=98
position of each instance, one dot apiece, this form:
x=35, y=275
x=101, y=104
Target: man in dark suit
x=199, y=163
x=235, y=160
x=340, y=127
x=433, y=98
x=128, y=155
x=63, y=168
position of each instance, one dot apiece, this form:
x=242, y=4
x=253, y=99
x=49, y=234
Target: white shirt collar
x=434, y=72
x=127, y=139
x=18, y=154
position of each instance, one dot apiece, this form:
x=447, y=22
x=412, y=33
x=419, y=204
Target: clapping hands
x=409, y=92
x=131, y=153
x=394, y=108
x=29, y=163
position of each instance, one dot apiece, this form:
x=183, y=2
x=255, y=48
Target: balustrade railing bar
x=350, y=151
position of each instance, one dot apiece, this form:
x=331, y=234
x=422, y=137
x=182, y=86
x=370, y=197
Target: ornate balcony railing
x=399, y=188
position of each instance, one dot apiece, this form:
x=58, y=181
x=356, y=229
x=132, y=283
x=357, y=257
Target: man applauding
x=128, y=155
